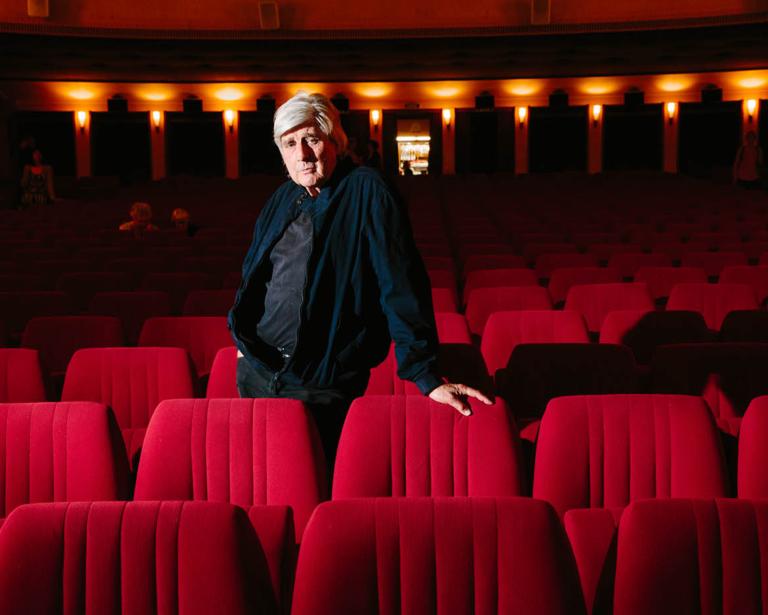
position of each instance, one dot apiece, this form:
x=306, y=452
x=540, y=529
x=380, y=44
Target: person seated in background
x=749, y=162
x=181, y=222
x=37, y=182
x=141, y=219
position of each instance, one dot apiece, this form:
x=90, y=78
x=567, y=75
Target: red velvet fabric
x=447, y=556
x=605, y=451
x=754, y=276
x=753, y=453
x=661, y=280
x=713, y=262
x=594, y=301
x=505, y=330
x=58, y=337
x=547, y=264
x=81, y=285
x=130, y=380
x=444, y=300
x=713, y=301
x=486, y=301
x=178, y=284
x=562, y=279
x=132, y=308
x=20, y=376
x=490, y=278
x=208, y=302
x=201, y=336
x=493, y=261
x=17, y=308
x=134, y=557
x=413, y=446
x=692, y=556
x=55, y=452
x=628, y=263
x=222, y=381
x=244, y=451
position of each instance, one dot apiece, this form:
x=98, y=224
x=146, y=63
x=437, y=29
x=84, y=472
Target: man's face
x=309, y=156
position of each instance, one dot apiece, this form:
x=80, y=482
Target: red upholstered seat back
x=451, y=556
x=713, y=301
x=134, y=557
x=713, y=262
x=20, y=376
x=485, y=301
x=692, y=556
x=132, y=381
x=55, y=452
x=490, y=278
x=201, y=336
x=661, y=280
x=222, y=381
x=753, y=453
x=754, y=276
x=132, y=308
x=606, y=451
x=208, y=302
x=594, y=301
x=413, y=446
x=244, y=451
x=562, y=279
x=505, y=330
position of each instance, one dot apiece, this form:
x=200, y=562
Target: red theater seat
x=691, y=556
x=56, y=338
x=444, y=300
x=82, y=286
x=453, y=556
x=505, y=330
x=562, y=279
x=661, y=280
x=713, y=262
x=132, y=381
x=243, y=451
x=756, y=277
x=17, y=308
x=605, y=451
x=60, y=452
x=595, y=301
x=493, y=261
x=409, y=445
x=201, y=336
x=222, y=381
x=485, y=301
x=547, y=264
x=628, y=263
x=753, y=455
x=21, y=379
x=132, y=308
x=490, y=278
x=178, y=285
x=141, y=557
x=713, y=301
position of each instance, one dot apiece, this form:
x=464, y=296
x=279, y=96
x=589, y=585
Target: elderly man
x=331, y=276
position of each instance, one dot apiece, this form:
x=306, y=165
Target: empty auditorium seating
x=493, y=261
x=536, y=373
x=132, y=308
x=753, y=459
x=691, y=556
x=142, y=557
x=643, y=330
x=222, y=380
x=81, y=286
x=132, y=381
x=490, y=278
x=547, y=263
x=178, y=285
x=562, y=279
x=713, y=301
x=505, y=330
x=56, y=338
x=57, y=452
x=713, y=262
x=661, y=280
x=444, y=300
x=201, y=336
x=754, y=276
x=21, y=379
x=595, y=301
x=244, y=451
x=17, y=308
x=745, y=326
x=605, y=451
x=455, y=556
x=408, y=445
x=727, y=375
x=486, y=301
x=628, y=263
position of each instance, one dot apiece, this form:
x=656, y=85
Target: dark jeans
x=328, y=407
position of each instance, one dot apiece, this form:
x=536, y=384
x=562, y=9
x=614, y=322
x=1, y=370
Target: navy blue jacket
x=366, y=285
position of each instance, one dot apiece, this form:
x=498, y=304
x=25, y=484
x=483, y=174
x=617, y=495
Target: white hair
x=317, y=108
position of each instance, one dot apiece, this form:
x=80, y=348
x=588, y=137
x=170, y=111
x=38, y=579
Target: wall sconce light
x=671, y=111
x=597, y=111
x=522, y=114
x=156, y=117
x=229, y=118
x=751, y=109
x=447, y=117
x=82, y=117
x=375, y=119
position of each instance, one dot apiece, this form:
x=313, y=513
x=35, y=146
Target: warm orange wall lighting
x=375, y=119
x=522, y=113
x=82, y=118
x=597, y=111
x=671, y=111
x=156, y=117
x=229, y=118
x=447, y=117
x=751, y=108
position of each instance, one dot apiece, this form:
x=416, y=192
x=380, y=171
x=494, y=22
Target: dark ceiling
x=552, y=54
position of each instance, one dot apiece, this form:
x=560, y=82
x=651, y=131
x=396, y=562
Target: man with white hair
x=331, y=276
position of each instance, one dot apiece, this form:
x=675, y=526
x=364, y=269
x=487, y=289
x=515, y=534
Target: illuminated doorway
x=413, y=142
